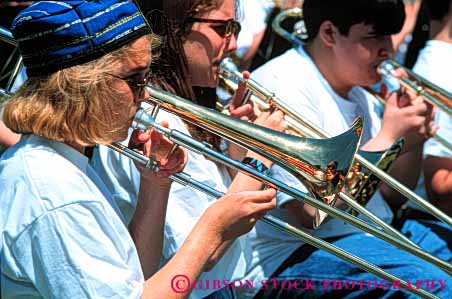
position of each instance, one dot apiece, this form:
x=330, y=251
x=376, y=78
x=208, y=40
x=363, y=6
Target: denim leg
x=225, y=293
x=432, y=236
x=327, y=274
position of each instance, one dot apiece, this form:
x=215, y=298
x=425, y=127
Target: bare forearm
x=188, y=263
x=438, y=182
x=146, y=227
x=411, y=160
x=243, y=182
x=218, y=254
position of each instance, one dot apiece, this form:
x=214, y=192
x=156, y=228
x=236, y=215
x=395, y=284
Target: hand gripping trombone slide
x=145, y=121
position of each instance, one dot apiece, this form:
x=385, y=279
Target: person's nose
x=144, y=94
x=231, y=44
x=387, y=48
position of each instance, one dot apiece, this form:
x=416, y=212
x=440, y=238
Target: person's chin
x=371, y=78
x=208, y=84
x=376, y=78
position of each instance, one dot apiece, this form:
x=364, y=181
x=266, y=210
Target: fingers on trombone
x=399, y=73
x=259, y=197
x=276, y=121
x=174, y=162
x=138, y=138
x=403, y=97
x=239, y=96
x=420, y=109
x=245, y=112
x=177, y=158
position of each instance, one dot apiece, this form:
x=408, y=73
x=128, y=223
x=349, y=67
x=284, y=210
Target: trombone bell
x=320, y=164
x=360, y=183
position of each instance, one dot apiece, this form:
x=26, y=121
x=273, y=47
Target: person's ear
x=328, y=34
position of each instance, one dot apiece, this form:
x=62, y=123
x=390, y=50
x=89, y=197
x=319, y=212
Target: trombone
x=363, y=187
x=320, y=133
x=213, y=120
x=186, y=180
x=271, y=144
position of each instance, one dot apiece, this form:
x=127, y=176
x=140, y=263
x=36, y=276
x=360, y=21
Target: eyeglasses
x=135, y=84
x=225, y=28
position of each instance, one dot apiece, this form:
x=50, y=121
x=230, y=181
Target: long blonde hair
x=73, y=105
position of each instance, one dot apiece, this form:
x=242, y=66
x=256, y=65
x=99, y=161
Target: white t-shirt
x=295, y=79
x=435, y=64
x=255, y=15
x=62, y=234
x=185, y=205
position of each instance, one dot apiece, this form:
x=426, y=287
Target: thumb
x=137, y=139
x=384, y=91
x=392, y=99
x=403, y=100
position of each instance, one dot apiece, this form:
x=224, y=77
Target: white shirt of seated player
x=296, y=80
x=435, y=64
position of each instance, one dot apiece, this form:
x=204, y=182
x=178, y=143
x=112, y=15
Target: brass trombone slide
x=306, y=127
x=320, y=133
x=261, y=96
x=145, y=121
x=258, y=139
x=186, y=180
x=432, y=93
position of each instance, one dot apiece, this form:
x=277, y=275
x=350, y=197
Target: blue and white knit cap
x=54, y=35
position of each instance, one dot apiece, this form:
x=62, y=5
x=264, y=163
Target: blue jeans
x=224, y=293
x=322, y=275
x=433, y=236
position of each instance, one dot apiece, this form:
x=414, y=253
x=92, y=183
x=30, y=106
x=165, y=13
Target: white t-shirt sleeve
x=284, y=80
x=77, y=252
x=433, y=147
x=284, y=176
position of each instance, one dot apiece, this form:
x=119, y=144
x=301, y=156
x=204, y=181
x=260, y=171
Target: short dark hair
x=386, y=16
x=437, y=9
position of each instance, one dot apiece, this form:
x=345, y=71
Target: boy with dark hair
x=348, y=41
x=345, y=14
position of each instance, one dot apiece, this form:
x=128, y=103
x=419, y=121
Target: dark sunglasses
x=136, y=85
x=226, y=28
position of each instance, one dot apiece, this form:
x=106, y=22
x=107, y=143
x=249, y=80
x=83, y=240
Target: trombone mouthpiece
x=228, y=64
x=229, y=70
x=386, y=68
x=143, y=120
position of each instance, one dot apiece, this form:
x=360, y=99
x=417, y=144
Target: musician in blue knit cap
x=62, y=235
